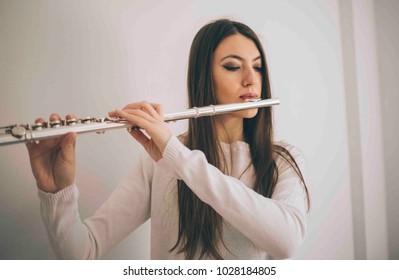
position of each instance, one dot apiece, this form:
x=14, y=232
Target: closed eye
x=231, y=68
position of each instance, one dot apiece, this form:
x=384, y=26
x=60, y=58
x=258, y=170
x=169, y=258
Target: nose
x=250, y=77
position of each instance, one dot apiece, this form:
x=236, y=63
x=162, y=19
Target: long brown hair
x=200, y=226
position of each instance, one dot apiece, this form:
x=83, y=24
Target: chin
x=248, y=114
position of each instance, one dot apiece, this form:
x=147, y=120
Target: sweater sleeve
x=275, y=225
x=125, y=210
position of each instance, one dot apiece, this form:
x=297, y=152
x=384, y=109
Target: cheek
x=224, y=86
x=223, y=91
x=218, y=85
x=260, y=81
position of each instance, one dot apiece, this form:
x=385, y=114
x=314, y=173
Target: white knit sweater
x=255, y=227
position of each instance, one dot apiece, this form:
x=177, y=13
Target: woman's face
x=236, y=72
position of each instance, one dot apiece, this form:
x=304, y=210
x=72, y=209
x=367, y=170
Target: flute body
x=14, y=134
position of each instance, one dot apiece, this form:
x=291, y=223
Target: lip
x=249, y=95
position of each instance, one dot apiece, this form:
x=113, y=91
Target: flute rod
x=15, y=134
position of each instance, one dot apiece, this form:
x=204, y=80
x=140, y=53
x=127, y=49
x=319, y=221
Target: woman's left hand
x=149, y=117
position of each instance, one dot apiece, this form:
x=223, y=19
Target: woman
x=222, y=191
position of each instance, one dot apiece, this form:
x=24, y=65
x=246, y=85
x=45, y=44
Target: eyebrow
x=238, y=57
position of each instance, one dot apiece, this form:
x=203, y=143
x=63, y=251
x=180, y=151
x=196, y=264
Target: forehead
x=237, y=44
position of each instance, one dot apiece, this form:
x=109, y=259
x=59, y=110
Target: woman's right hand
x=53, y=161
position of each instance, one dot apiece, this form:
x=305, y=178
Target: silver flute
x=22, y=133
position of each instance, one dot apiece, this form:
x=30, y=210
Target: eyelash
x=235, y=68
x=231, y=68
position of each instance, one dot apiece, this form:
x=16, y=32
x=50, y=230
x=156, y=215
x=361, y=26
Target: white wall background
x=90, y=57
x=387, y=26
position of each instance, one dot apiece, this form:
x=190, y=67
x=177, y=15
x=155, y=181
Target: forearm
x=69, y=237
x=125, y=210
x=275, y=225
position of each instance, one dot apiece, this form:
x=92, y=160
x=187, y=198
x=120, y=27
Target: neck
x=230, y=129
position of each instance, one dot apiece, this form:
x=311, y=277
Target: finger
x=158, y=108
x=151, y=108
x=155, y=110
x=141, y=118
x=54, y=117
x=70, y=116
x=33, y=150
x=135, y=117
x=37, y=148
x=113, y=113
x=69, y=138
x=29, y=146
x=137, y=105
x=140, y=137
x=39, y=120
x=68, y=144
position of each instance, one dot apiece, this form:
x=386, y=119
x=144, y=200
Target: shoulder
x=287, y=155
x=287, y=147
